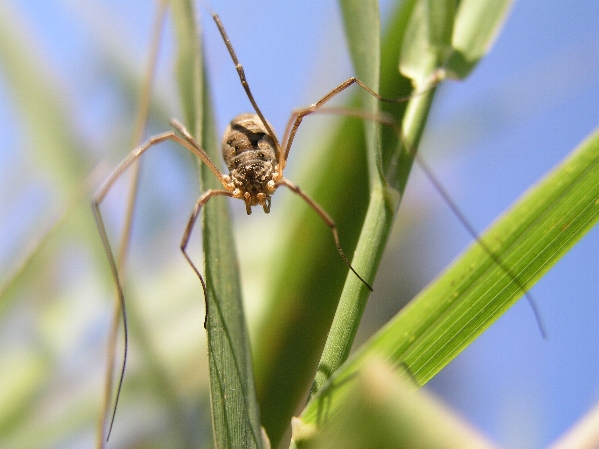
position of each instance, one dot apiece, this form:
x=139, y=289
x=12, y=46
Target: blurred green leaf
x=441, y=38
x=478, y=22
x=385, y=411
x=44, y=107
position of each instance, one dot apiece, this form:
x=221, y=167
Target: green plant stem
x=382, y=209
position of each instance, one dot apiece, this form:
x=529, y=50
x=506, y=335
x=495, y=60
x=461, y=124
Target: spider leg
x=192, y=145
x=97, y=201
x=242, y=78
x=327, y=220
x=186, y=235
x=298, y=115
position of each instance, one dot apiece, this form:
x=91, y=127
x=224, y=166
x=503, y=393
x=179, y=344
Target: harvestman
x=256, y=162
x=253, y=154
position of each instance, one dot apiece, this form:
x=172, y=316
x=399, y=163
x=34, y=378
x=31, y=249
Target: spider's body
x=252, y=158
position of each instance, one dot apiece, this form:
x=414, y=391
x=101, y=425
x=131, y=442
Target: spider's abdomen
x=250, y=154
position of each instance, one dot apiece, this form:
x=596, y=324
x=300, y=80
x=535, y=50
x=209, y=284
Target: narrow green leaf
x=235, y=410
x=474, y=291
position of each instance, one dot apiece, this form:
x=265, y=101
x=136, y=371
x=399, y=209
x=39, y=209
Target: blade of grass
x=474, y=291
x=384, y=203
x=235, y=413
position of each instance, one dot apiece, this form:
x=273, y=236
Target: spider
x=256, y=161
x=254, y=156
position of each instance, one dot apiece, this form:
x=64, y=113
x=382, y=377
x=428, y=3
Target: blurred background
x=69, y=84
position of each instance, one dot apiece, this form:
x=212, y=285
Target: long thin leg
x=496, y=258
x=242, y=78
x=121, y=296
x=96, y=202
x=196, y=148
x=137, y=152
x=298, y=115
x=186, y=235
x=327, y=220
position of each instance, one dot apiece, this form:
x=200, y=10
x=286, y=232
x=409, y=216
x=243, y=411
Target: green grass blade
x=235, y=410
x=432, y=47
x=474, y=291
x=530, y=238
